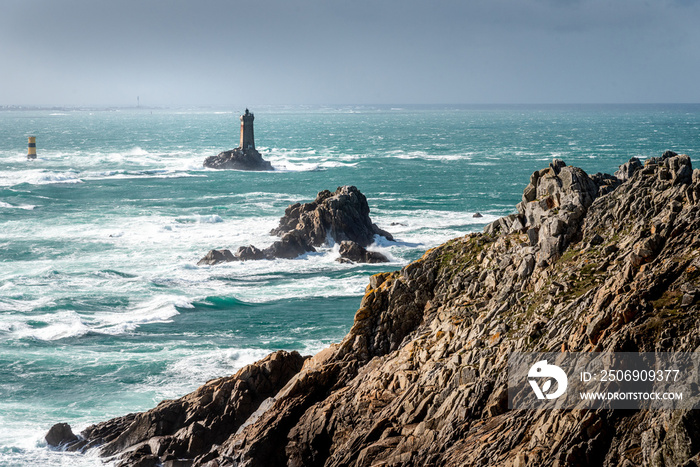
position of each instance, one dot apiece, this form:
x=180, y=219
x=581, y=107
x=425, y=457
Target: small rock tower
x=247, y=139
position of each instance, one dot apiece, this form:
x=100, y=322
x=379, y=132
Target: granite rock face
x=335, y=217
x=238, y=159
x=421, y=377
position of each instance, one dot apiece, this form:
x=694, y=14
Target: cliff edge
x=588, y=263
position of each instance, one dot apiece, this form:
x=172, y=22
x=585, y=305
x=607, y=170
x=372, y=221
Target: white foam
x=400, y=154
x=27, y=207
x=282, y=165
x=38, y=177
x=71, y=324
x=137, y=151
x=210, y=219
x=157, y=310
x=61, y=325
x=191, y=370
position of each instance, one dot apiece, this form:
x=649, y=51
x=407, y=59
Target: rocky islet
x=341, y=217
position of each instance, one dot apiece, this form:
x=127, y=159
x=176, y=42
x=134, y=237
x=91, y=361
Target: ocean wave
x=137, y=151
x=26, y=207
x=52, y=327
x=288, y=166
x=68, y=324
x=400, y=154
x=156, y=310
x=38, y=177
x=199, y=219
x=136, y=174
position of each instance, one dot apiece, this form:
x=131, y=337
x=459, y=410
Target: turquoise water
x=103, y=310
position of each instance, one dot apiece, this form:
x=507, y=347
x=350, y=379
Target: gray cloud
x=219, y=52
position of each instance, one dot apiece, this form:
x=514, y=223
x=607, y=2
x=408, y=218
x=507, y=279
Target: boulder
x=354, y=253
x=216, y=257
x=553, y=206
x=60, y=435
x=248, y=252
x=238, y=159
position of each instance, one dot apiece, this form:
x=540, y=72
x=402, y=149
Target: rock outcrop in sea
x=341, y=217
x=238, y=159
x=588, y=263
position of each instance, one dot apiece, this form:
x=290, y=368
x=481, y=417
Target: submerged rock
x=238, y=159
x=339, y=216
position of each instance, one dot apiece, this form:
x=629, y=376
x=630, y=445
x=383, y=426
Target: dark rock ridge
x=238, y=159
x=187, y=427
x=586, y=264
x=342, y=216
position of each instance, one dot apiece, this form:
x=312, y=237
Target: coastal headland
x=588, y=263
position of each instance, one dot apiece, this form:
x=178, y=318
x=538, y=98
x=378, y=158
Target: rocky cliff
x=588, y=263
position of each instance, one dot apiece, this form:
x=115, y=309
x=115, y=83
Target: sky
x=278, y=52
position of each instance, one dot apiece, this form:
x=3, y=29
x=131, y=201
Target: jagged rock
x=238, y=159
x=60, y=434
x=477, y=215
x=553, y=206
x=421, y=377
x=627, y=170
x=605, y=183
x=339, y=216
x=248, y=252
x=216, y=257
x=354, y=253
x=343, y=215
x=291, y=245
x=192, y=425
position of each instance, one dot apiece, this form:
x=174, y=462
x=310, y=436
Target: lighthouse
x=245, y=156
x=247, y=139
x=31, y=150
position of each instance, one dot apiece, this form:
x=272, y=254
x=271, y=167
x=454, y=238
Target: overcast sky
x=223, y=52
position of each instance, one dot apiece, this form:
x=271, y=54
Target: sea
x=103, y=309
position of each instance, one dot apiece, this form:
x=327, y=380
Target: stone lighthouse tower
x=247, y=139
x=245, y=156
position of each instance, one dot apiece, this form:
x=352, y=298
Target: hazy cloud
x=222, y=52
